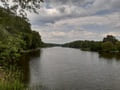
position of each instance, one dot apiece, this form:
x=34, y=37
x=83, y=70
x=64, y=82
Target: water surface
x=73, y=69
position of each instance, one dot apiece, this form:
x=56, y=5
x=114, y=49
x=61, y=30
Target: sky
x=61, y=21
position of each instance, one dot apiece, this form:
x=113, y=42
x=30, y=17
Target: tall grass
x=12, y=79
x=15, y=85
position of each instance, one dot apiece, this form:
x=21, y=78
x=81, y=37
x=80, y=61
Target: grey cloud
x=63, y=20
x=62, y=9
x=68, y=9
x=68, y=2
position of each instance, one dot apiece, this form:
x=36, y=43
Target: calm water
x=72, y=69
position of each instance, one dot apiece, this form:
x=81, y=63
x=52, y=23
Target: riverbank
x=109, y=44
x=16, y=37
x=11, y=79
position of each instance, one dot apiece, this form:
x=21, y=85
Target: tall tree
x=108, y=46
x=110, y=38
x=19, y=7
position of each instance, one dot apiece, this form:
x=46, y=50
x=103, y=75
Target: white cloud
x=67, y=20
x=116, y=34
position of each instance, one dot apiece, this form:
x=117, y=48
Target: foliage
x=85, y=45
x=118, y=45
x=16, y=36
x=109, y=44
x=12, y=79
x=110, y=38
x=21, y=6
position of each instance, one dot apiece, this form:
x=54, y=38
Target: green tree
x=108, y=47
x=36, y=40
x=110, y=38
x=21, y=6
x=15, y=36
x=118, y=45
x=95, y=46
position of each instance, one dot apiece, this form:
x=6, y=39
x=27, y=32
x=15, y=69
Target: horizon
x=81, y=40
x=61, y=21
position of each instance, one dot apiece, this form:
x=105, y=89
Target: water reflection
x=110, y=56
x=72, y=69
x=24, y=63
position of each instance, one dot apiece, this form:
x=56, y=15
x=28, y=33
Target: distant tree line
x=109, y=44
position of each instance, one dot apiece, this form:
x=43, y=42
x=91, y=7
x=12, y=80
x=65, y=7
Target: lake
x=72, y=69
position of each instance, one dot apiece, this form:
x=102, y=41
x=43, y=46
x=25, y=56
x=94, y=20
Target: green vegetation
x=110, y=38
x=11, y=80
x=85, y=45
x=51, y=45
x=109, y=44
x=19, y=7
x=16, y=37
x=108, y=47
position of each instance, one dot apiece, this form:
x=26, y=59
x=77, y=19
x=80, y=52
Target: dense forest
x=16, y=36
x=109, y=44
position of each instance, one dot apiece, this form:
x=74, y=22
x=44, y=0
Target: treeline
x=51, y=45
x=109, y=44
x=16, y=36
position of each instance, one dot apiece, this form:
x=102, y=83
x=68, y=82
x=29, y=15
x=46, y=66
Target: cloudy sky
x=61, y=21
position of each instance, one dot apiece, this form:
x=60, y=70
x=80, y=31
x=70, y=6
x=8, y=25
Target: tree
x=21, y=6
x=110, y=38
x=108, y=47
x=118, y=46
x=95, y=46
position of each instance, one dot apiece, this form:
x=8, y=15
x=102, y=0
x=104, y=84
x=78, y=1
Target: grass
x=15, y=85
x=12, y=79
